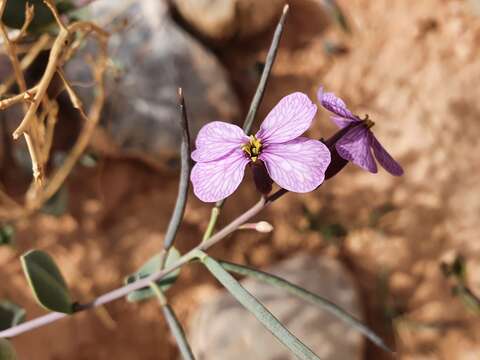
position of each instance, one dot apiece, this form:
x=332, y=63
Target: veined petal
x=216, y=139
x=298, y=165
x=335, y=105
x=341, y=122
x=215, y=180
x=384, y=158
x=355, y=145
x=289, y=119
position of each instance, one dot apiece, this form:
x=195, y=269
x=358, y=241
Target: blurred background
x=402, y=254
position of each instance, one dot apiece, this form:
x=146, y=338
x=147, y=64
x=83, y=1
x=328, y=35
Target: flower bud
x=262, y=180
x=262, y=227
x=337, y=163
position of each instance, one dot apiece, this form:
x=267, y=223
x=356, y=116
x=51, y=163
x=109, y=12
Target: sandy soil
x=412, y=66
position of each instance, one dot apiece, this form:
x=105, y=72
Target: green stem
x=211, y=223
x=173, y=323
x=162, y=299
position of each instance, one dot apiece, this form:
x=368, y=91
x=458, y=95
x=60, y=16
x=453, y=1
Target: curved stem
x=125, y=290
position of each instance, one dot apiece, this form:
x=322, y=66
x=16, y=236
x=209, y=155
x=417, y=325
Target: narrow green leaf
x=300, y=350
x=151, y=266
x=177, y=332
x=307, y=296
x=184, y=181
x=7, y=352
x=6, y=234
x=46, y=281
x=10, y=314
x=336, y=13
x=174, y=325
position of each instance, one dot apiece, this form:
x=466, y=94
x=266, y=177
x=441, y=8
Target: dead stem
x=38, y=129
x=90, y=124
x=27, y=60
x=29, y=13
x=37, y=167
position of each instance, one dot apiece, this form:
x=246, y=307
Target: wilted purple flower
x=356, y=140
x=294, y=162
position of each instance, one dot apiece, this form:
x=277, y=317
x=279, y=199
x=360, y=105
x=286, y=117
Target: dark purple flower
x=356, y=140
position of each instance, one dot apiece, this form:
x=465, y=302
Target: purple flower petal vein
x=359, y=141
x=294, y=162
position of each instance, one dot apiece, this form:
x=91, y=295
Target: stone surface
x=153, y=57
x=223, y=329
x=225, y=19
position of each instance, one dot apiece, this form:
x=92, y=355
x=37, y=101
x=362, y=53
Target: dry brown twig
x=40, y=45
x=29, y=14
x=37, y=126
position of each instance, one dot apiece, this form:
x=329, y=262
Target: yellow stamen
x=252, y=148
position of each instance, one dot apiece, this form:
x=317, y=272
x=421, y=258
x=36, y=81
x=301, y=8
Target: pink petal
x=289, y=119
x=385, y=159
x=216, y=139
x=298, y=165
x=215, y=180
x=335, y=105
x=355, y=145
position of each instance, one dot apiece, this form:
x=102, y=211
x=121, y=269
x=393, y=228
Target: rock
x=155, y=57
x=224, y=19
x=223, y=329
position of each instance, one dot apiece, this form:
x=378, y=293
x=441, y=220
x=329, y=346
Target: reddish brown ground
x=412, y=65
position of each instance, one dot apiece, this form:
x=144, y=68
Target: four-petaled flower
x=356, y=142
x=294, y=162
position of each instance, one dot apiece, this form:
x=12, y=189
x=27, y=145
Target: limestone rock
x=224, y=19
x=153, y=57
x=223, y=329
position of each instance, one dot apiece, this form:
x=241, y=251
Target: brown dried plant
x=41, y=111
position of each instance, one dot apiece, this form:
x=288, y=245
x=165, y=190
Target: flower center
x=253, y=148
x=368, y=123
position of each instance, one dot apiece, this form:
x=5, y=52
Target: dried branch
x=25, y=96
x=27, y=60
x=38, y=133
x=29, y=13
x=37, y=167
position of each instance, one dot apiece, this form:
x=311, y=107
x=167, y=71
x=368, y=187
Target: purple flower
x=294, y=162
x=357, y=140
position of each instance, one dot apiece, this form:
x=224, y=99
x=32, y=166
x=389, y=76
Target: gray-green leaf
x=46, y=281
x=151, y=266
